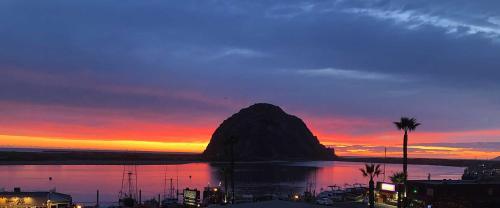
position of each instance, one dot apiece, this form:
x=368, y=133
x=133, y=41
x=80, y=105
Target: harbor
x=249, y=104
x=306, y=183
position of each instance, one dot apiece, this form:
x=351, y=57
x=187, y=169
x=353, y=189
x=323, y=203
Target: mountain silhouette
x=264, y=132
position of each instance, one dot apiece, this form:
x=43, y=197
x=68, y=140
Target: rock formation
x=264, y=132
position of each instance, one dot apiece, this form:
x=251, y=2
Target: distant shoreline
x=420, y=161
x=152, y=158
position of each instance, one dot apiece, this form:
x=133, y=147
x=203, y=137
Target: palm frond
x=399, y=126
x=363, y=172
x=377, y=170
x=369, y=168
x=397, y=177
x=407, y=124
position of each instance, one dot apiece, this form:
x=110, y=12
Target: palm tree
x=406, y=124
x=371, y=171
x=398, y=178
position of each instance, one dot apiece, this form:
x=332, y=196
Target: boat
x=170, y=196
x=324, y=201
x=356, y=192
x=128, y=192
x=169, y=202
x=335, y=194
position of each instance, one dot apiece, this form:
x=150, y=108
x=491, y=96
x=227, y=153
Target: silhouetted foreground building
x=453, y=193
x=18, y=199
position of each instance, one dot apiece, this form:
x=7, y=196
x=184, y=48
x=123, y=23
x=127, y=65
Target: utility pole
x=385, y=159
x=231, y=141
x=97, y=199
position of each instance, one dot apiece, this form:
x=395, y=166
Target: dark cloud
x=378, y=59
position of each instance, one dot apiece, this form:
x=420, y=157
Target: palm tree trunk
x=399, y=196
x=405, y=165
x=372, y=194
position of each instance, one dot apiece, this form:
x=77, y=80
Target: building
x=213, y=195
x=18, y=199
x=483, y=172
x=453, y=193
x=387, y=193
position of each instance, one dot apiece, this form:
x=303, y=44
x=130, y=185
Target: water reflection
x=82, y=181
x=269, y=178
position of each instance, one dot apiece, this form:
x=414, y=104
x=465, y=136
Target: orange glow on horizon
x=28, y=126
x=94, y=144
x=342, y=149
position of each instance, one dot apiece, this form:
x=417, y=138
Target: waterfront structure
x=483, y=171
x=213, y=195
x=39, y=199
x=387, y=193
x=453, y=193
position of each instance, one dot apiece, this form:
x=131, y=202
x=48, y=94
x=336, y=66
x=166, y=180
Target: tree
x=406, y=124
x=371, y=171
x=398, y=178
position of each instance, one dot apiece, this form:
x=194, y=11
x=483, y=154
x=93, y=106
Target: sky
x=162, y=75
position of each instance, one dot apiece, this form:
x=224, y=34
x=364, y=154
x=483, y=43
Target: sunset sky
x=162, y=75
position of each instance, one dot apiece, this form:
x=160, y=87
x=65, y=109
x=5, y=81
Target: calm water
x=82, y=181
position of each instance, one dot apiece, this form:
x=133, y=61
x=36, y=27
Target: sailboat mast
x=130, y=184
x=123, y=181
x=165, y=182
x=171, y=189
x=136, y=188
x=177, y=188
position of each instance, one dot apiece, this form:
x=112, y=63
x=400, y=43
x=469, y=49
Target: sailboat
x=128, y=192
x=170, y=196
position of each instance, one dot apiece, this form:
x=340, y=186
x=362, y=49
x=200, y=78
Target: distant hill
x=496, y=158
x=265, y=132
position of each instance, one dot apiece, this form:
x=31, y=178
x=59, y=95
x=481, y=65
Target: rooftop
x=452, y=182
x=37, y=194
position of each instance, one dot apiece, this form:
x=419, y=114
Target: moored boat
x=356, y=192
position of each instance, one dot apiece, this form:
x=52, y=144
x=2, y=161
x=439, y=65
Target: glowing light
x=388, y=187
